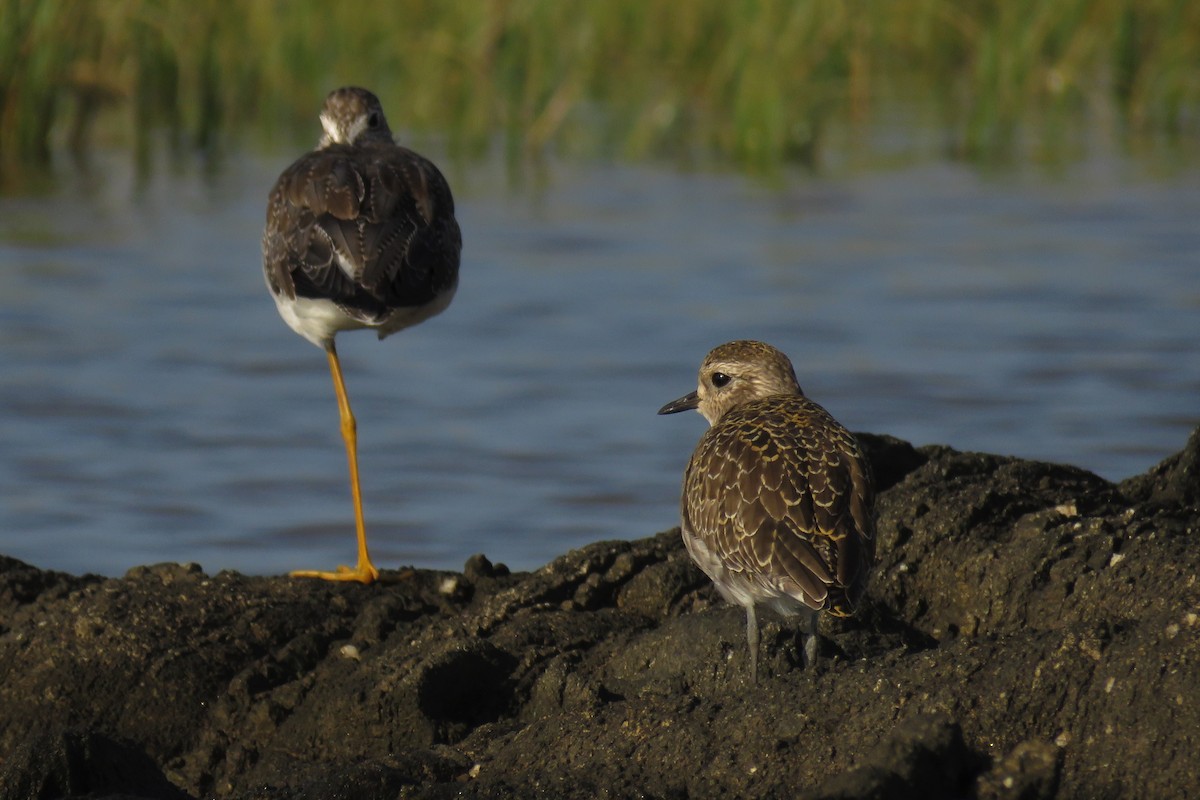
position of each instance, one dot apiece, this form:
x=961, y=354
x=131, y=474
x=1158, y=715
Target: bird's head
x=353, y=116
x=736, y=373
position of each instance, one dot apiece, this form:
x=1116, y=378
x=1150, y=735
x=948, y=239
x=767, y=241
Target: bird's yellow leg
x=365, y=572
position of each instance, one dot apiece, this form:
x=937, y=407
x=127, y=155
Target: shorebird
x=777, y=505
x=360, y=234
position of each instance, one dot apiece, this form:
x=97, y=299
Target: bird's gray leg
x=752, y=642
x=809, y=637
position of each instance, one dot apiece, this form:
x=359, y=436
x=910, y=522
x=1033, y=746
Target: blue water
x=155, y=408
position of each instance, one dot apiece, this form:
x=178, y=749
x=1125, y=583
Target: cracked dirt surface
x=1032, y=631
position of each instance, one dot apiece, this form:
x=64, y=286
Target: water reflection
x=155, y=408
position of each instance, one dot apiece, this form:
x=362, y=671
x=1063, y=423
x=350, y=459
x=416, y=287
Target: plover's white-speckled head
x=736, y=373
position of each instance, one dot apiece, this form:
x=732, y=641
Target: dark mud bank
x=1032, y=631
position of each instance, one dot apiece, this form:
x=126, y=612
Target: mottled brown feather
x=780, y=490
x=368, y=225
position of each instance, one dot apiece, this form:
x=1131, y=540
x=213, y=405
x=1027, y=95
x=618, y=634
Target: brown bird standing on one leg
x=360, y=234
x=777, y=506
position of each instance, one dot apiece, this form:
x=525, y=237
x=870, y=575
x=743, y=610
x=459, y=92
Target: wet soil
x=1032, y=631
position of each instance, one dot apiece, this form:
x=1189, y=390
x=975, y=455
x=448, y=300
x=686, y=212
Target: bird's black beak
x=686, y=403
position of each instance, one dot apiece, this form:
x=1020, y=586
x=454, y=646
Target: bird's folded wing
x=784, y=500
x=369, y=228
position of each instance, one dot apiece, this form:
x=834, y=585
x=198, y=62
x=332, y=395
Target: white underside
x=738, y=587
x=320, y=320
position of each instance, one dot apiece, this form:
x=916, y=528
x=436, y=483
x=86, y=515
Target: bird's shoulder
x=790, y=430
x=369, y=183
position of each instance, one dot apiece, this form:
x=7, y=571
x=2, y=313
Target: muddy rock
x=1031, y=631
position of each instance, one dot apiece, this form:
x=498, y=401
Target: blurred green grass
x=753, y=83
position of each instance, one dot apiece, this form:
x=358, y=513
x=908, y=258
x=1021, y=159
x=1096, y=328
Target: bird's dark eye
x=373, y=120
x=720, y=379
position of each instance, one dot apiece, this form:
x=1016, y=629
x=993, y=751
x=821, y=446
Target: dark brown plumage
x=360, y=233
x=361, y=228
x=777, y=503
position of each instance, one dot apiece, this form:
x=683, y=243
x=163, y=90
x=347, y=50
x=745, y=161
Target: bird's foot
x=363, y=573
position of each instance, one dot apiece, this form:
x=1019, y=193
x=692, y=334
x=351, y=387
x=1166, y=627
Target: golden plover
x=777, y=505
x=360, y=234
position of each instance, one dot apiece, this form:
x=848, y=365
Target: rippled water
x=154, y=407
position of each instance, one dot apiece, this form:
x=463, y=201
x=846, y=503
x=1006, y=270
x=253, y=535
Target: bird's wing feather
x=371, y=228
x=781, y=483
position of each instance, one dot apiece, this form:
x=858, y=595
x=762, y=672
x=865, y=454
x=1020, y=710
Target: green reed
x=754, y=82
